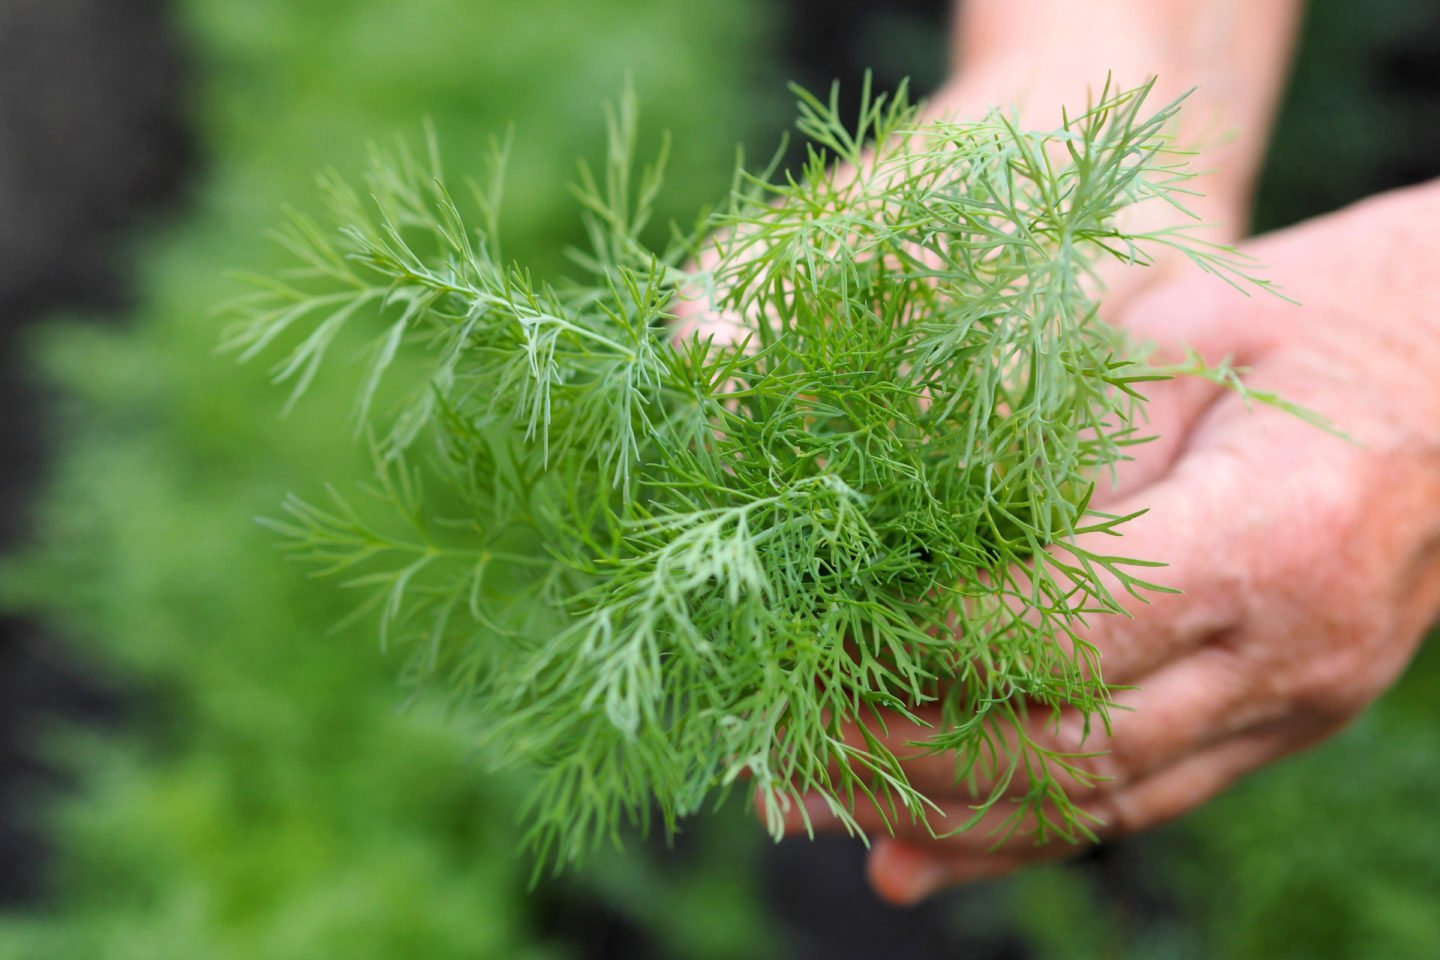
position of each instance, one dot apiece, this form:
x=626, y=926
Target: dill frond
x=651, y=565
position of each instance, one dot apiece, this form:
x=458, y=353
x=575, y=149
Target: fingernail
x=904, y=876
x=923, y=882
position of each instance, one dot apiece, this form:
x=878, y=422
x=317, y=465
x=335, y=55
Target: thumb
x=1172, y=322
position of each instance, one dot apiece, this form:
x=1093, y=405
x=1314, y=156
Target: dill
x=656, y=567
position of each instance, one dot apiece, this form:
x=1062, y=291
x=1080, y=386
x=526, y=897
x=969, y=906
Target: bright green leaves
x=652, y=565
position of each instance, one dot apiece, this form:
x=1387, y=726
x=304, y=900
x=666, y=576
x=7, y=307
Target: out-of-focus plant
x=267, y=800
x=659, y=566
x=267, y=795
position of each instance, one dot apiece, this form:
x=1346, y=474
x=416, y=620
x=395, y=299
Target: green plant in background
x=267, y=796
x=655, y=567
x=266, y=799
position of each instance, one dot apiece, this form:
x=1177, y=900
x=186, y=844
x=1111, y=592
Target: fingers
x=1188, y=687
x=907, y=872
x=903, y=874
x=694, y=310
x=1199, y=315
x=1180, y=711
x=1172, y=407
x=1184, y=520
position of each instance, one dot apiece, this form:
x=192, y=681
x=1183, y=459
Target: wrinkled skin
x=1309, y=565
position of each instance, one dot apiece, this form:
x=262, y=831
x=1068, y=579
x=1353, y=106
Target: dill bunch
x=655, y=566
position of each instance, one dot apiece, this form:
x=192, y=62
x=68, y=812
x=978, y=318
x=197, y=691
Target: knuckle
x=1336, y=681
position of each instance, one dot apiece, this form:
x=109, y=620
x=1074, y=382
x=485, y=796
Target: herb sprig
x=654, y=566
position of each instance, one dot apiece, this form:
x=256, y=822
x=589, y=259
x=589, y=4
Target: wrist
x=1037, y=55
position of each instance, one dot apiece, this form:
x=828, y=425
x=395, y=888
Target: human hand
x=1310, y=566
x=1036, y=56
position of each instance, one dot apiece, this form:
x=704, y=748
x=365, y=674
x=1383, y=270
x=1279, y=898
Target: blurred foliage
x=270, y=796
x=1362, y=113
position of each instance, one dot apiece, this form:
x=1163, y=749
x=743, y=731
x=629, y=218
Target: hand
x=1230, y=54
x=1035, y=57
x=1310, y=566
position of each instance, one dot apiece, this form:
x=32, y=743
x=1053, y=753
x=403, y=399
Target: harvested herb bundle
x=654, y=565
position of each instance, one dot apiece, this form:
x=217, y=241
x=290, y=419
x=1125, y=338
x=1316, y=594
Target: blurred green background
x=259, y=787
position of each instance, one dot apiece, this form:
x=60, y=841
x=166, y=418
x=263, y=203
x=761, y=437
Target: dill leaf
x=653, y=564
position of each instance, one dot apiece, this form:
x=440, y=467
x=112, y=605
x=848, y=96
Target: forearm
x=1039, y=54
